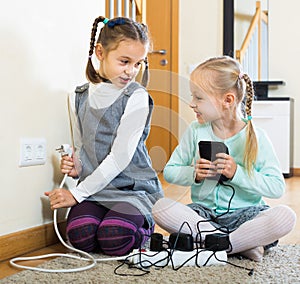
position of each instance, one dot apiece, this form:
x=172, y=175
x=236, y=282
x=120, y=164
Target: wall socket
x=32, y=152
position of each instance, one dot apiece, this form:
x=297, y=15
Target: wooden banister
x=255, y=27
x=140, y=9
x=264, y=16
x=254, y=23
x=139, y=6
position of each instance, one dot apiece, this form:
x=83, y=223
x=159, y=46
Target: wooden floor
x=290, y=198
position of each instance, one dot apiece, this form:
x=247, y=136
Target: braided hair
x=251, y=147
x=111, y=34
x=220, y=75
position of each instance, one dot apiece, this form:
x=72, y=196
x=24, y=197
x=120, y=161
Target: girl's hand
x=67, y=166
x=225, y=165
x=60, y=197
x=203, y=169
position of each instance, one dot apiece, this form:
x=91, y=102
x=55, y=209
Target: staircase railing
x=253, y=54
x=135, y=9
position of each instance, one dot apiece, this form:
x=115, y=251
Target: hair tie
x=249, y=117
x=241, y=75
x=114, y=22
x=105, y=21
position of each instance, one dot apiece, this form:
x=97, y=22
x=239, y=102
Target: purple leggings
x=114, y=231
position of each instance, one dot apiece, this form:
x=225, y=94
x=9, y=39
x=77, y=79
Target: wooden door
x=162, y=20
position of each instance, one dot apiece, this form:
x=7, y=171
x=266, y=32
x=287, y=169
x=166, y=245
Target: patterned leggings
x=114, y=231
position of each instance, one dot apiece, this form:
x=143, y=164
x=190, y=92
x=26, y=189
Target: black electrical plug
x=181, y=241
x=156, y=242
x=217, y=242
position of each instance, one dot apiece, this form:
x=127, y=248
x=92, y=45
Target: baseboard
x=19, y=243
x=296, y=172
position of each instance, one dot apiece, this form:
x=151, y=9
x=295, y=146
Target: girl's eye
x=195, y=97
x=124, y=61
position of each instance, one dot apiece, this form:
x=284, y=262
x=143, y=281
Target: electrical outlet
x=32, y=152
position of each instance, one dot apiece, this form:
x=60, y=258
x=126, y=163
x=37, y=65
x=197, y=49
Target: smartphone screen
x=208, y=151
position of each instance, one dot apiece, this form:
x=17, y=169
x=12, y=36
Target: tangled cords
x=65, y=149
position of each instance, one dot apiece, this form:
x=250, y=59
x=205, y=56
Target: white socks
x=255, y=254
x=267, y=227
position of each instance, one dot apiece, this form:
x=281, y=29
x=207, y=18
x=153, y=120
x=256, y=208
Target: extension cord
x=176, y=258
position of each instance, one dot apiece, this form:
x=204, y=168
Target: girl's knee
x=81, y=233
x=162, y=205
x=289, y=216
x=116, y=237
x=280, y=216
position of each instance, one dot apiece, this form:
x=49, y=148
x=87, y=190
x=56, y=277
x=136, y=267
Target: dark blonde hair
x=220, y=75
x=112, y=33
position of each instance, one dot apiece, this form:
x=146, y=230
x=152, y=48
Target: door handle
x=160, y=51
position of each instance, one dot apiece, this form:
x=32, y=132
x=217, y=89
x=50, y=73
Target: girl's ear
x=99, y=51
x=229, y=100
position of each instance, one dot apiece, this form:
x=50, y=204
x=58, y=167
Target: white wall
x=43, y=51
x=284, y=58
x=200, y=37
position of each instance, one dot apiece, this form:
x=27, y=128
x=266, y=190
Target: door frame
x=174, y=84
x=174, y=70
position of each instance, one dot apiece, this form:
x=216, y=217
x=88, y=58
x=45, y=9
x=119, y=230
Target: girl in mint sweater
x=222, y=99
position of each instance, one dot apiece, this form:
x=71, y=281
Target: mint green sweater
x=266, y=181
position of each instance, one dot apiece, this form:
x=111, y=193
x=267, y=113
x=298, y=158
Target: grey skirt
x=230, y=221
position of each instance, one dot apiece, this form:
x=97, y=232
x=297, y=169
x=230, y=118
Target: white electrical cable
x=88, y=256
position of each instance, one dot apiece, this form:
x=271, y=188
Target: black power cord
x=181, y=241
x=218, y=241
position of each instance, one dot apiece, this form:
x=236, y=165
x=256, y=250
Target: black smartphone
x=208, y=151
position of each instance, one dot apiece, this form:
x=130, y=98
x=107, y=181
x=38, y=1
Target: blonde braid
x=251, y=147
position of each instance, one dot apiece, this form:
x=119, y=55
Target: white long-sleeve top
x=128, y=135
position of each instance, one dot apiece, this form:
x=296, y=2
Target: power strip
x=176, y=258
